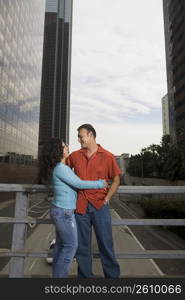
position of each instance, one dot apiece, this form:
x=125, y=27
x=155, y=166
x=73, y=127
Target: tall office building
x=56, y=71
x=165, y=115
x=174, y=27
x=21, y=43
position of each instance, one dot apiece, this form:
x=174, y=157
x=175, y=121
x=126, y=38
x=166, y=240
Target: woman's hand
x=105, y=184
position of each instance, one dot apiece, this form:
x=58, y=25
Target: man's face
x=84, y=137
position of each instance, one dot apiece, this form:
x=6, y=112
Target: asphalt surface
x=152, y=237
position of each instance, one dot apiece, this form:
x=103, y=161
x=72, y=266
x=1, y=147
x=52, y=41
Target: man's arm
x=113, y=188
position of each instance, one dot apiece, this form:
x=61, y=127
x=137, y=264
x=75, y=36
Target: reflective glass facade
x=21, y=46
x=56, y=71
x=174, y=25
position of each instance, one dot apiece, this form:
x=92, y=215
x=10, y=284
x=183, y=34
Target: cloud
x=120, y=138
x=118, y=67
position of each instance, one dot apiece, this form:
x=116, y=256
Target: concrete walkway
x=123, y=241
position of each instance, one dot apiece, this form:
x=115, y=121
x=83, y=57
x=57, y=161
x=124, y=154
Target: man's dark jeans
x=101, y=221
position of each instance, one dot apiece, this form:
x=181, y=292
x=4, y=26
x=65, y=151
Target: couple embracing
x=81, y=201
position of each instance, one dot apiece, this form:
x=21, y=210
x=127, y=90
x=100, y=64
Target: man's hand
x=113, y=188
x=106, y=200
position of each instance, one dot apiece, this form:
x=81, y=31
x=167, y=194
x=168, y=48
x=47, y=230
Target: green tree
x=166, y=160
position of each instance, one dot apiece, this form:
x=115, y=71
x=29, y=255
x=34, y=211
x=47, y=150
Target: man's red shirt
x=101, y=165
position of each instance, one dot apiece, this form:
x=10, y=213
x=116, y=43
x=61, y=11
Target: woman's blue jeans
x=66, y=240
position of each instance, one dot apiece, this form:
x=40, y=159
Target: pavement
x=124, y=241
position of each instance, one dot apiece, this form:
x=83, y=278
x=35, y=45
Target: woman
x=65, y=185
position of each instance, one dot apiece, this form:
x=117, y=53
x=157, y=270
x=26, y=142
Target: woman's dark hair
x=51, y=154
x=89, y=128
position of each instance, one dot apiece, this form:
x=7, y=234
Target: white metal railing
x=21, y=220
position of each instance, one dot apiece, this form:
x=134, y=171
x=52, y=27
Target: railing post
x=19, y=235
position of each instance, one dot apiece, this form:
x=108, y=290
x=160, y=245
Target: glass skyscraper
x=56, y=71
x=174, y=27
x=21, y=46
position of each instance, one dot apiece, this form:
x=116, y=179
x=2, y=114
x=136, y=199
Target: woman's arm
x=65, y=174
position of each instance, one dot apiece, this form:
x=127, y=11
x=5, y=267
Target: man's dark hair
x=88, y=127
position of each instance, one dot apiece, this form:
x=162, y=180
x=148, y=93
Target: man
x=92, y=162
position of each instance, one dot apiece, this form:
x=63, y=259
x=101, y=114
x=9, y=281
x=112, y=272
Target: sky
x=118, y=74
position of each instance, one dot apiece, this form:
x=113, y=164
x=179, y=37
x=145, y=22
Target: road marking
x=124, y=206
x=49, y=234
x=36, y=204
x=151, y=260
x=154, y=233
x=44, y=214
x=138, y=242
x=41, y=217
x=33, y=264
x=7, y=203
x=163, y=239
